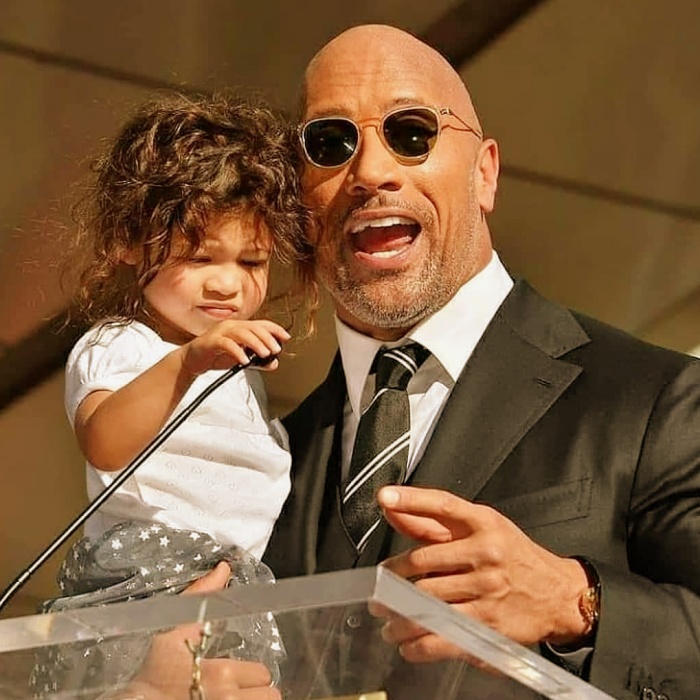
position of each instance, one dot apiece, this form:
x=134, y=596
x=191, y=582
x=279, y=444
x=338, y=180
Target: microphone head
x=256, y=361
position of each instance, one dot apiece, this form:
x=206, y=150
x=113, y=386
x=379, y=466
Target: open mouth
x=385, y=237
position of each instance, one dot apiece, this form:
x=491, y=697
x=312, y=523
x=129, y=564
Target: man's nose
x=374, y=167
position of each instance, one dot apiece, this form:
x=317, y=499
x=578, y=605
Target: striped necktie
x=380, y=454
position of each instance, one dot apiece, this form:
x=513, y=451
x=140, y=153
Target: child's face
x=225, y=279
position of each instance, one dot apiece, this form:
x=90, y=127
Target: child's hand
x=229, y=342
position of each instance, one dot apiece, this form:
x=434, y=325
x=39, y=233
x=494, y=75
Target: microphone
x=167, y=430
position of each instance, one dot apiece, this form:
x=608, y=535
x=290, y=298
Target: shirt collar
x=451, y=333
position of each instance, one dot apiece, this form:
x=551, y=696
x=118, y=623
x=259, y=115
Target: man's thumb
x=213, y=581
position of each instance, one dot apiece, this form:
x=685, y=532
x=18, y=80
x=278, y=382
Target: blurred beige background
x=595, y=105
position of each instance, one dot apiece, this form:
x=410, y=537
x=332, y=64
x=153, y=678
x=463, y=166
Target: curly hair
x=179, y=161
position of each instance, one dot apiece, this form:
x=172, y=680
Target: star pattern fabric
x=135, y=560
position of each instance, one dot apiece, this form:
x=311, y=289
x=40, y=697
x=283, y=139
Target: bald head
x=395, y=235
x=390, y=56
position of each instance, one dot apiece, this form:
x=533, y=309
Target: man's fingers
x=267, y=693
x=417, y=527
x=397, y=630
x=430, y=648
x=451, y=515
x=238, y=674
x=378, y=610
x=221, y=679
x=459, y=557
x=212, y=581
x=418, y=645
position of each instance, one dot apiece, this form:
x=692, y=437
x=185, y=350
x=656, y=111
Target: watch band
x=589, y=600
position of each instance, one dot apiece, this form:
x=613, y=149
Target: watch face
x=589, y=606
x=589, y=600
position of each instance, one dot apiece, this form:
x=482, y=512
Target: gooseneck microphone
x=147, y=451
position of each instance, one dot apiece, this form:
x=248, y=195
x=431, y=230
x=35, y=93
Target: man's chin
x=386, y=315
x=392, y=300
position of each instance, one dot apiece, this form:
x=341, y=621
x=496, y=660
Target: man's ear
x=487, y=167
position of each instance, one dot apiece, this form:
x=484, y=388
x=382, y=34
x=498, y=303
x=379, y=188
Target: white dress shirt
x=451, y=334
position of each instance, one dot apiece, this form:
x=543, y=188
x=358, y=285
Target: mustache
x=379, y=201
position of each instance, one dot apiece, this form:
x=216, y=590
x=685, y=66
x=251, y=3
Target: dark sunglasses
x=410, y=133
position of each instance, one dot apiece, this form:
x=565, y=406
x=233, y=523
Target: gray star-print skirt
x=134, y=560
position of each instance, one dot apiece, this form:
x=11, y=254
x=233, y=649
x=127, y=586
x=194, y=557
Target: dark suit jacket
x=585, y=437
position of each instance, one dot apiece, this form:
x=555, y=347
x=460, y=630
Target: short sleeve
x=107, y=358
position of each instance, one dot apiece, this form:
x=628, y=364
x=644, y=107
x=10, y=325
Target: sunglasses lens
x=330, y=142
x=411, y=133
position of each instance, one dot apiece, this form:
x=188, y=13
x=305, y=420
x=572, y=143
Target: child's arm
x=112, y=427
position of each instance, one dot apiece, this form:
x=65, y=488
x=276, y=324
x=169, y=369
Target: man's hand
x=167, y=672
x=481, y=563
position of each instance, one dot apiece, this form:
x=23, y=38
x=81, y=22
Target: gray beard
x=390, y=301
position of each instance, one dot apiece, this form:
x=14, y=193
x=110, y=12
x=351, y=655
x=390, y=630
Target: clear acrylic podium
x=331, y=644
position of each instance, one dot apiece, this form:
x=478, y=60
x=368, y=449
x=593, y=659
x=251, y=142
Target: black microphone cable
x=147, y=451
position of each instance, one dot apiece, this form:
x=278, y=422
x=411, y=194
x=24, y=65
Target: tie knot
x=396, y=366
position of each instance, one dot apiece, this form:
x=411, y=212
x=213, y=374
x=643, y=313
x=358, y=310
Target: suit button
x=648, y=694
x=353, y=622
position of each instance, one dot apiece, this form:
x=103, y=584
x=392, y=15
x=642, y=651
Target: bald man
x=553, y=479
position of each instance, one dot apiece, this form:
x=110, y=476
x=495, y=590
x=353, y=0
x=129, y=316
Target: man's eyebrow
x=413, y=100
x=330, y=112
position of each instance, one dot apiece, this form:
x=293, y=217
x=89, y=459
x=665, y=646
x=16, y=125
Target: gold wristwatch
x=589, y=600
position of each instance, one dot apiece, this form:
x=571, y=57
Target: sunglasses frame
x=378, y=124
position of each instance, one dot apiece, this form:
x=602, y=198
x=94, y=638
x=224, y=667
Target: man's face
x=394, y=241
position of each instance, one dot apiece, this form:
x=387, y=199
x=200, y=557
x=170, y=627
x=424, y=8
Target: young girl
x=189, y=206
x=174, y=246
x=175, y=241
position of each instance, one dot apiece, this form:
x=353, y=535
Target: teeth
x=380, y=223
x=385, y=253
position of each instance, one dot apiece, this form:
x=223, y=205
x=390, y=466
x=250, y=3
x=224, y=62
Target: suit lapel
x=509, y=383
x=511, y=380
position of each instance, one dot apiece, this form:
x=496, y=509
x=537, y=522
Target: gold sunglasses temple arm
x=468, y=127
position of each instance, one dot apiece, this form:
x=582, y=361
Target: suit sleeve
x=649, y=629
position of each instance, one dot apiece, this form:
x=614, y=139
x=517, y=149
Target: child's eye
x=253, y=263
x=200, y=259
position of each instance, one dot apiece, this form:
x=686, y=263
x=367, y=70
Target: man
x=537, y=434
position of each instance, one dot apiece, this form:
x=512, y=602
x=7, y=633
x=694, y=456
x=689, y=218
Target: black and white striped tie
x=380, y=454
